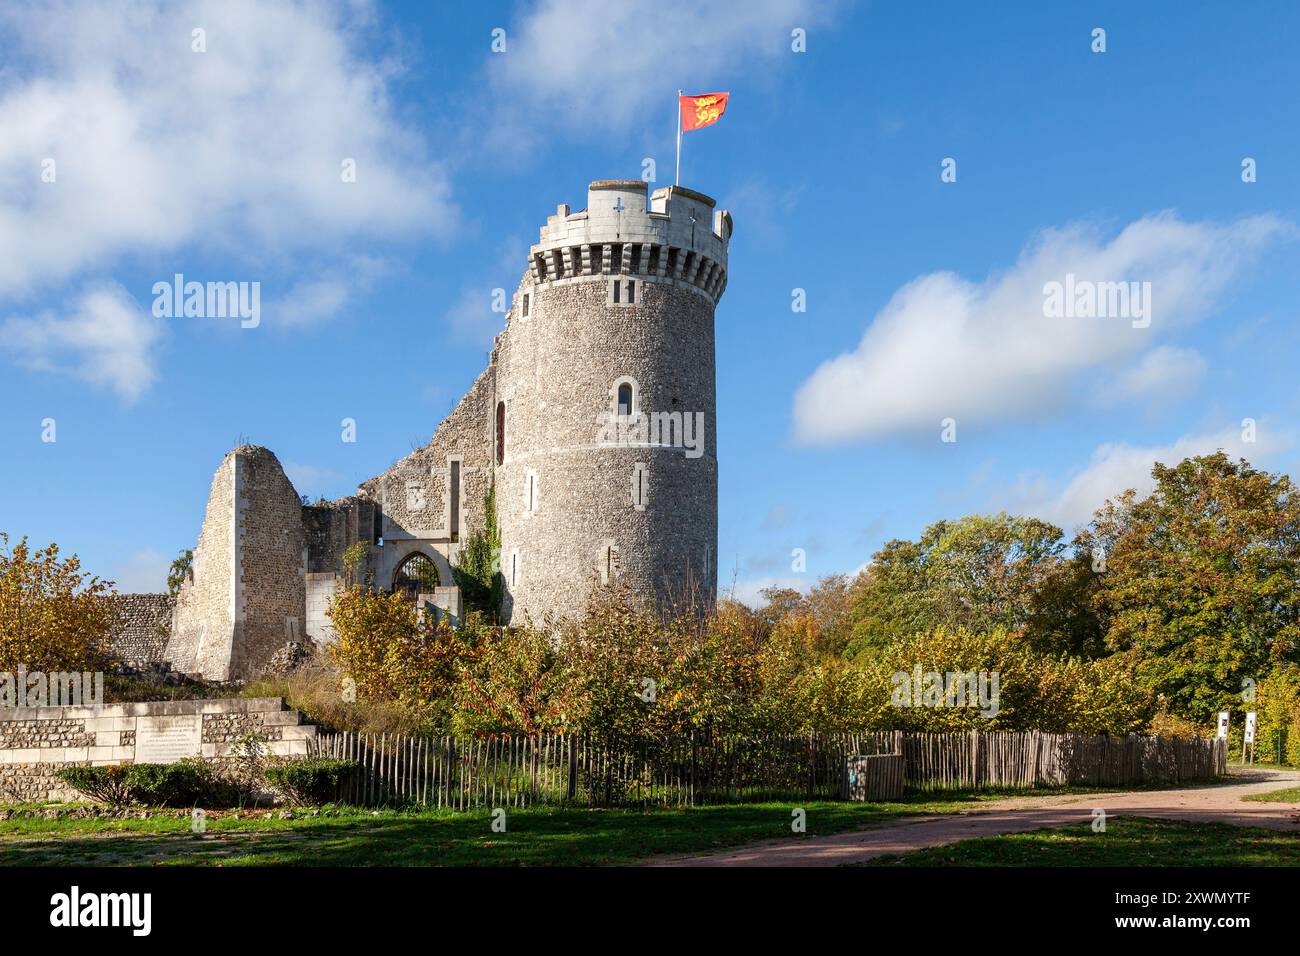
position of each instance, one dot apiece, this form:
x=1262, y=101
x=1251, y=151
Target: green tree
x=179, y=571
x=1063, y=615
x=979, y=572
x=1200, y=579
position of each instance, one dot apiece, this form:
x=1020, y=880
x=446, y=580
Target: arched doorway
x=415, y=575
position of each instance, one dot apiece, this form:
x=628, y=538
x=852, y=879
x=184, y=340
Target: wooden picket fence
x=460, y=773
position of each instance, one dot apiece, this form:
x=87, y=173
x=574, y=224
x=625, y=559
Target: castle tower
x=604, y=427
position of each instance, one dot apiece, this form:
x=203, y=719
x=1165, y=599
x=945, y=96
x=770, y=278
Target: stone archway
x=417, y=573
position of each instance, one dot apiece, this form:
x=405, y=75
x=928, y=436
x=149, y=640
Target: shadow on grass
x=1126, y=842
x=533, y=837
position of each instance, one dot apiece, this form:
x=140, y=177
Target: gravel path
x=1220, y=803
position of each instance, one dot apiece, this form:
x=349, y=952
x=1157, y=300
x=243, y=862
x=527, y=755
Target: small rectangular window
x=617, y=291
x=631, y=292
x=453, y=500
x=525, y=311
x=640, y=486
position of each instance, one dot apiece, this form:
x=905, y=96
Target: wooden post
x=572, y=788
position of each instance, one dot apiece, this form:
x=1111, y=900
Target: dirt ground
x=1221, y=803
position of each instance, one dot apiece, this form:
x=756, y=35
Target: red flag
x=702, y=110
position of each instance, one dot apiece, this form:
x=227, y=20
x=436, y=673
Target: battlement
x=673, y=233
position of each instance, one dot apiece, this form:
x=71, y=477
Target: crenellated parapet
x=672, y=235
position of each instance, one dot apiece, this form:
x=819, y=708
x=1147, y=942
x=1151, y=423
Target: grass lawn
x=537, y=836
x=1128, y=841
x=534, y=836
x=1289, y=795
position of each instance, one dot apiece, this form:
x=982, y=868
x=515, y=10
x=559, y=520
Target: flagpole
x=678, y=181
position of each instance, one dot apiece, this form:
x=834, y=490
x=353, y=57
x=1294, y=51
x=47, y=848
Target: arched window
x=625, y=399
x=501, y=433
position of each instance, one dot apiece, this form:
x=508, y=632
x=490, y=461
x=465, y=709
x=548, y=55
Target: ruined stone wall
x=142, y=628
x=415, y=494
x=245, y=596
x=272, y=550
x=203, y=622
x=332, y=527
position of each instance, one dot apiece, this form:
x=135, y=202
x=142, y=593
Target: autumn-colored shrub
x=513, y=682
x=393, y=651
x=53, y=617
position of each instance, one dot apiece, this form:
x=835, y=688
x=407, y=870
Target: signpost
x=1248, y=740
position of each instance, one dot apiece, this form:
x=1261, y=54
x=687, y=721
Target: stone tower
x=604, y=439
x=594, y=421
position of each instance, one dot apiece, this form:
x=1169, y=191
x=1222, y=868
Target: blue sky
x=1123, y=165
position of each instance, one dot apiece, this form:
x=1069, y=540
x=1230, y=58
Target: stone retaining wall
x=36, y=742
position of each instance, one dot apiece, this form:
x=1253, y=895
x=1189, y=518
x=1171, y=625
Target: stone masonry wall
x=272, y=547
x=245, y=597
x=203, y=623
x=36, y=742
x=144, y=623
x=414, y=492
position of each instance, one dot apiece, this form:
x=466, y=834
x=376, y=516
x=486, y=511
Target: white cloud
x=324, y=295
x=470, y=318
x=157, y=146
x=1163, y=373
x=105, y=339
x=977, y=352
x=159, y=150
x=144, y=572
x=625, y=60
x=1115, y=468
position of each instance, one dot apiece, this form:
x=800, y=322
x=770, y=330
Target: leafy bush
x=1277, y=703
x=179, y=784
x=1035, y=691
x=52, y=616
x=512, y=682
x=106, y=784
x=312, y=781
x=395, y=652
